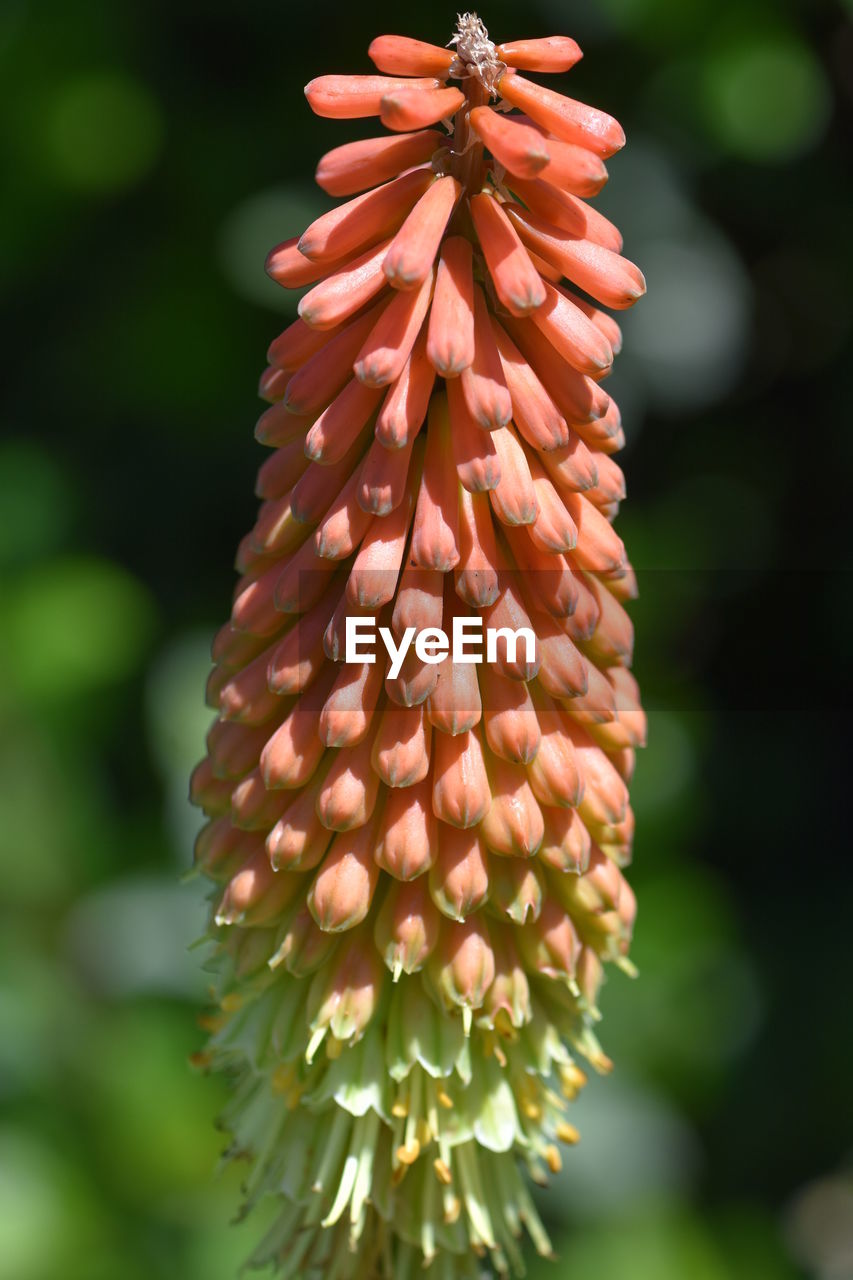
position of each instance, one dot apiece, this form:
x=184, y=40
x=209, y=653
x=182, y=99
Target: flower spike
x=418, y=858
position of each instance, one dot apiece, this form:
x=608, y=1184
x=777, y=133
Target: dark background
x=152, y=152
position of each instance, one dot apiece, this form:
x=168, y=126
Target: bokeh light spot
x=254, y=227
x=48, y=1211
x=690, y=335
x=767, y=100
x=103, y=131
x=820, y=1227
x=133, y=936
x=73, y=625
x=634, y=1143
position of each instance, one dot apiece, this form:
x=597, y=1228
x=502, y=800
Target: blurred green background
x=153, y=150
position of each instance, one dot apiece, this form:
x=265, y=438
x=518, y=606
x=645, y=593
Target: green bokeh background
x=153, y=150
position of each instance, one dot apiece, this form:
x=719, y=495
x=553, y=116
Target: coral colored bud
x=435, y=533
x=555, y=587
x=476, y=577
x=515, y=278
x=513, y=826
x=513, y=498
x=459, y=877
x=405, y=404
x=348, y=795
x=420, y=600
x=389, y=344
x=349, y=708
x=612, y=279
x=507, y=1004
x=233, y=748
x=296, y=659
x=402, y=56
x=350, y=97
x=298, y=839
x=344, y=996
x=414, y=683
x=344, y=525
x=363, y=221
x=358, y=165
x=508, y=618
x=554, y=772
x=562, y=672
x=416, y=107
x=256, y=894
x=342, y=890
x=463, y=964
x=460, y=789
x=477, y=464
x=276, y=426
x=293, y=752
x=455, y=706
x=304, y=947
x=450, y=337
x=572, y=334
x=516, y=888
x=271, y=385
x=335, y=440
x=509, y=717
x=386, y=477
x=318, y=381
x=566, y=843
x=550, y=943
x=407, y=927
x=213, y=795
x=406, y=842
x=536, y=416
x=597, y=708
x=483, y=382
x=412, y=252
x=290, y=268
x=556, y=395
x=281, y=471
x=573, y=169
x=572, y=121
x=553, y=530
x=522, y=150
x=296, y=344
x=553, y=53
x=221, y=849
x=373, y=578
x=400, y=754
x=253, y=808
x=344, y=292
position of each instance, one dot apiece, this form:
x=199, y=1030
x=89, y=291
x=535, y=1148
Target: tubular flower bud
x=463, y=966
x=416, y=789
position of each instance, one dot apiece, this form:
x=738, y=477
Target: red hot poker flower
x=418, y=861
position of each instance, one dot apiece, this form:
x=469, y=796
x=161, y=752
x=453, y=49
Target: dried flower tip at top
x=476, y=55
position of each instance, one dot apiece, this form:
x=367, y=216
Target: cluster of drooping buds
x=419, y=858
